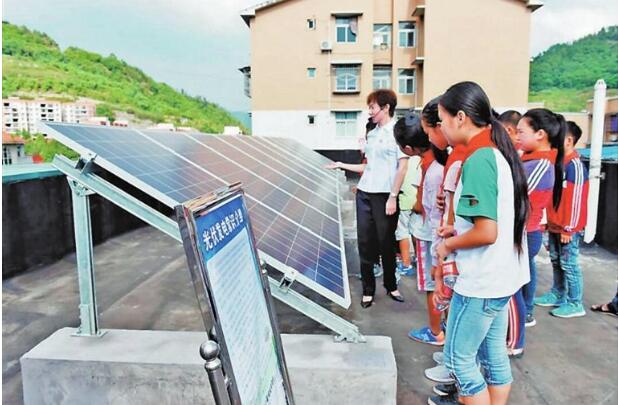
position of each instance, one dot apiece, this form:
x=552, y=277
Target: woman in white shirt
x=377, y=195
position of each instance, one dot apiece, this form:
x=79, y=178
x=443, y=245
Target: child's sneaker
x=443, y=400
x=408, y=271
x=549, y=299
x=569, y=310
x=445, y=389
x=530, y=321
x=399, y=263
x=439, y=374
x=438, y=357
x=515, y=353
x=424, y=335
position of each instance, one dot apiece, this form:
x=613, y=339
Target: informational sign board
x=234, y=296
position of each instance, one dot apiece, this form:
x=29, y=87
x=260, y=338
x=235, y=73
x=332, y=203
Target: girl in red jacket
x=566, y=224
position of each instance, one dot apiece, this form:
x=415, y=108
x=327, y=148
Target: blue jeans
x=535, y=240
x=568, y=278
x=476, y=329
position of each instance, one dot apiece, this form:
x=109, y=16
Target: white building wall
x=15, y=154
x=295, y=125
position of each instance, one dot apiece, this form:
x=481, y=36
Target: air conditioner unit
x=326, y=46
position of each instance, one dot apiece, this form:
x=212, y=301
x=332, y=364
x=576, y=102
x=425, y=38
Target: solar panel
x=320, y=198
x=296, y=230
x=302, y=152
x=279, y=161
x=273, y=194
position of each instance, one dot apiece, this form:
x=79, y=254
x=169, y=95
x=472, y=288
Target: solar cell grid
x=229, y=171
x=175, y=168
x=290, y=163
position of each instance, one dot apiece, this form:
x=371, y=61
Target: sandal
x=608, y=309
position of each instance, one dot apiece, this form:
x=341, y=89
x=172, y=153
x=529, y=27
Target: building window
x=6, y=156
x=407, y=34
x=347, y=78
x=381, y=77
x=346, y=29
x=311, y=23
x=406, y=81
x=19, y=151
x=311, y=72
x=382, y=36
x=345, y=123
x=311, y=119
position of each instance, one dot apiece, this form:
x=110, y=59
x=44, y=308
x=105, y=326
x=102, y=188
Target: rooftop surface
x=143, y=283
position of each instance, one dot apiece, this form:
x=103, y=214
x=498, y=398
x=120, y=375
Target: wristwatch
x=393, y=195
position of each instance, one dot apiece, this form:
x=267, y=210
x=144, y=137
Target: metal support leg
x=89, y=325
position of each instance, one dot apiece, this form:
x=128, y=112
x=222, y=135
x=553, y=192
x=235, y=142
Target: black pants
x=376, y=237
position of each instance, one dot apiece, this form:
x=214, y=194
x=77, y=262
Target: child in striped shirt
x=566, y=224
x=540, y=134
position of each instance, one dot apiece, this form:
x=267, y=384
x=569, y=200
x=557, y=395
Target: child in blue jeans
x=491, y=210
x=565, y=226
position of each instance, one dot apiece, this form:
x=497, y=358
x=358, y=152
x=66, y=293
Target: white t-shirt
x=431, y=185
x=486, y=190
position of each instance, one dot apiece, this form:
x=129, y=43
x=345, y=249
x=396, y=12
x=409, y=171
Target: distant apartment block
x=313, y=63
x=23, y=115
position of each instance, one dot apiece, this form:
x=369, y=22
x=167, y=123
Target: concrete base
x=162, y=367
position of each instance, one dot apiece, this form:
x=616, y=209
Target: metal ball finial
x=209, y=350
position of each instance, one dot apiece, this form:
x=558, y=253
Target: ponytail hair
x=555, y=126
x=470, y=98
x=409, y=132
x=430, y=112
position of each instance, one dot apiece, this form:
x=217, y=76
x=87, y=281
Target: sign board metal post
x=234, y=297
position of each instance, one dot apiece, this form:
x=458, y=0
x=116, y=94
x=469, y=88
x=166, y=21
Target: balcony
x=419, y=8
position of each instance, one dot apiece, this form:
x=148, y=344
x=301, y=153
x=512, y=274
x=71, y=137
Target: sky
x=198, y=45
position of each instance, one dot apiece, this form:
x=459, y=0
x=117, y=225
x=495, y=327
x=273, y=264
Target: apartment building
x=313, y=63
x=78, y=112
x=23, y=115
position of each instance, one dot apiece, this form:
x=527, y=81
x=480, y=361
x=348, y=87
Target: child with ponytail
x=540, y=134
x=566, y=224
x=491, y=211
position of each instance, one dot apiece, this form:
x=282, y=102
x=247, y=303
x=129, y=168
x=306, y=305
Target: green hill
x=564, y=75
x=33, y=64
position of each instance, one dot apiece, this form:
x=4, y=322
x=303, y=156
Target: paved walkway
x=143, y=283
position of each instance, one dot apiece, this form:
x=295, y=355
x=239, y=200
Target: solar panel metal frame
x=289, y=272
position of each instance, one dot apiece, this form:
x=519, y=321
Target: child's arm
x=483, y=232
x=573, y=199
x=477, y=204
